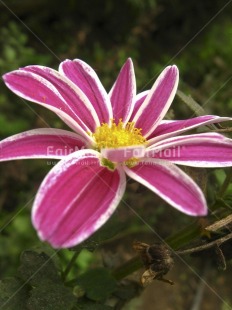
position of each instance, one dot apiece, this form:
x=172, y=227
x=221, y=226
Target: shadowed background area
x=194, y=35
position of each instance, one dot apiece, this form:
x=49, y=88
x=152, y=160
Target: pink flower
x=114, y=135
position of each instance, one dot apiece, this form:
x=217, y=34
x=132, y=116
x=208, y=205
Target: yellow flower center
x=117, y=135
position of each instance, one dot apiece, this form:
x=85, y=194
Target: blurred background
x=194, y=35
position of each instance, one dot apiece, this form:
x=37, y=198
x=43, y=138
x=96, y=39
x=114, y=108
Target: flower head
x=114, y=135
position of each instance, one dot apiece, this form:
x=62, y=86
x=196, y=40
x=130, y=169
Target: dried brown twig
x=215, y=243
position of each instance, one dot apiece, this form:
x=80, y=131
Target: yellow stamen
x=117, y=135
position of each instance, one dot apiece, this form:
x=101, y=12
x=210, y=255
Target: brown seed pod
x=157, y=260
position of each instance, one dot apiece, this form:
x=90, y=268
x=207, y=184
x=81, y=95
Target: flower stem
x=127, y=268
x=70, y=265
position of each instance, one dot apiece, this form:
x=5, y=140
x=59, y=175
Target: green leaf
x=13, y=294
x=97, y=283
x=37, y=267
x=49, y=251
x=51, y=296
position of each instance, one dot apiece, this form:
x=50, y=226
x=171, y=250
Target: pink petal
x=81, y=74
x=73, y=95
x=76, y=198
x=158, y=101
x=201, y=150
x=122, y=94
x=139, y=99
x=180, y=140
x=168, y=129
x=41, y=143
x=171, y=184
x=48, y=88
x=123, y=153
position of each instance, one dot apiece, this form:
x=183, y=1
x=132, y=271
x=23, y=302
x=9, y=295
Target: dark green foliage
x=88, y=305
x=154, y=33
x=98, y=284
x=51, y=296
x=36, y=267
x=13, y=294
x=38, y=285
